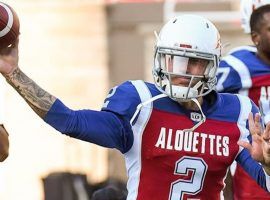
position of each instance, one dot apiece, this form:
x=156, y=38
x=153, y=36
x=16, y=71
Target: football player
x=246, y=70
x=178, y=135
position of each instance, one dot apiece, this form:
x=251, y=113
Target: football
x=9, y=26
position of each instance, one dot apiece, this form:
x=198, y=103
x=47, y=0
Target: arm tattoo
x=37, y=98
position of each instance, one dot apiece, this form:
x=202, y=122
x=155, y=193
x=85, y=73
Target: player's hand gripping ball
x=9, y=26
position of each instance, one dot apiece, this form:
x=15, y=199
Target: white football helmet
x=184, y=40
x=246, y=8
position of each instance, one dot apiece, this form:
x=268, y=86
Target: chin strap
x=200, y=122
x=141, y=105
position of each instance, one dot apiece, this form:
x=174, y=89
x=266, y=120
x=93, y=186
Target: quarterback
x=178, y=135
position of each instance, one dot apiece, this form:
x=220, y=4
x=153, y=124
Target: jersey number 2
x=192, y=186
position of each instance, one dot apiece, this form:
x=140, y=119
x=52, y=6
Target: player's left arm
x=260, y=147
x=255, y=158
x=4, y=143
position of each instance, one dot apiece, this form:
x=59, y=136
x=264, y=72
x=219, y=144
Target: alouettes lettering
x=193, y=142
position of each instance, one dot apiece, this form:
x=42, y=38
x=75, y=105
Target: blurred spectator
x=111, y=192
x=110, y=189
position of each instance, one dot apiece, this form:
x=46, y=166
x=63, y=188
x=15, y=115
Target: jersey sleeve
x=109, y=127
x=228, y=78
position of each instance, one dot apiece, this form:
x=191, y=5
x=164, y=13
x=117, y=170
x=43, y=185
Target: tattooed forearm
x=38, y=99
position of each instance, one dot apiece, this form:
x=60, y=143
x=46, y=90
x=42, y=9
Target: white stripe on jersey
x=267, y=181
x=242, y=71
x=133, y=156
x=246, y=106
x=247, y=48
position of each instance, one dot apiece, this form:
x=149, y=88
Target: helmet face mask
x=186, y=69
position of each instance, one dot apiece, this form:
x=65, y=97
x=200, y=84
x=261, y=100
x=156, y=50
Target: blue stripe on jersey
x=252, y=167
x=223, y=104
x=99, y=127
x=228, y=102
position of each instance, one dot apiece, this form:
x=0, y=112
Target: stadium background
x=77, y=50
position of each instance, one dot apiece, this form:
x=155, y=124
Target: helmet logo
x=185, y=46
x=218, y=42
